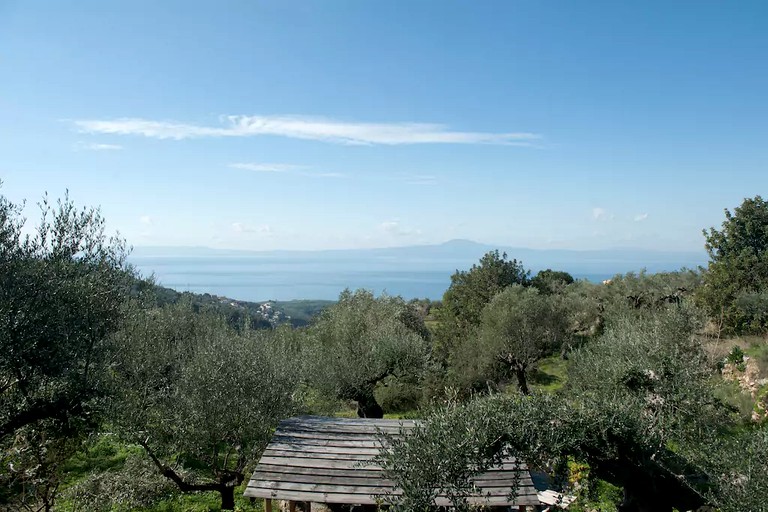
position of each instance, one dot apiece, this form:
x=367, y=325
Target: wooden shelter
x=328, y=460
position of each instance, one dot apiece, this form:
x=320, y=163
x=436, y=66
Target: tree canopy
x=520, y=326
x=62, y=291
x=470, y=291
x=737, y=274
x=551, y=281
x=361, y=340
x=639, y=409
x=199, y=397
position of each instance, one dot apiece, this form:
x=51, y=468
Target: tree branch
x=169, y=473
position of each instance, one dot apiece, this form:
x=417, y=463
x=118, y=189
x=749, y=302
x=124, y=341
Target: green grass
x=550, y=374
x=400, y=415
x=206, y=502
x=758, y=350
x=431, y=324
x=105, y=453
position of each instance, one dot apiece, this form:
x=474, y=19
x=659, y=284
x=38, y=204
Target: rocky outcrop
x=747, y=375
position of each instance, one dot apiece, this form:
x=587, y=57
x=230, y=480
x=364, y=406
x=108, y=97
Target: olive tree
x=520, y=326
x=639, y=409
x=201, y=399
x=440, y=455
x=63, y=291
x=360, y=341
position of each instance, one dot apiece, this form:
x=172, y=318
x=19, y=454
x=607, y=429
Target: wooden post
x=267, y=505
x=309, y=507
x=291, y=506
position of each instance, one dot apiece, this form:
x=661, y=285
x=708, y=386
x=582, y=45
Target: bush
x=398, y=394
x=749, y=313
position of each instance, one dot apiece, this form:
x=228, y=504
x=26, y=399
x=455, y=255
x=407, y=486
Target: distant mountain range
x=449, y=256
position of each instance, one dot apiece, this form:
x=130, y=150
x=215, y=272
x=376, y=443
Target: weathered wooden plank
x=328, y=436
x=330, y=420
x=365, y=486
x=362, y=428
x=261, y=477
x=317, y=463
x=325, y=488
x=346, y=422
x=266, y=472
x=327, y=439
x=312, y=449
x=346, y=479
x=368, y=473
x=316, y=497
x=372, y=432
x=318, y=466
x=329, y=460
x=305, y=455
x=362, y=498
x=369, y=488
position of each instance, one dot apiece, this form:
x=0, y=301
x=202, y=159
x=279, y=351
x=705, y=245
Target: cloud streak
x=98, y=147
x=263, y=230
x=600, y=214
x=265, y=167
x=296, y=170
x=306, y=128
x=395, y=228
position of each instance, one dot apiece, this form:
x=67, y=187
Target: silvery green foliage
x=739, y=470
x=639, y=409
x=62, y=292
x=358, y=342
x=518, y=327
x=201, y=399
x=439, y=456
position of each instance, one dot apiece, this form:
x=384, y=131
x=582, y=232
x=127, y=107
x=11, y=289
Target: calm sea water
x=260, y=279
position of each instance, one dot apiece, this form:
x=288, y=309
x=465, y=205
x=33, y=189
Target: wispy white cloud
x=304, y=170
x=285, y=168
x=265, y=167
x=394, y=227
x=308, y=128
x=600, y=214
x=83, y=146
x=641, y=217
x=240, y=227
x=146, y=220
x=420, y=179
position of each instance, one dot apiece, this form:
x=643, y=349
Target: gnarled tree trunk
x=367, y=406
x=227, y=497
x=522, y=379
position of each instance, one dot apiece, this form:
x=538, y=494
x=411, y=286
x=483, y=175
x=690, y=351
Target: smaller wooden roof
x=328, y=460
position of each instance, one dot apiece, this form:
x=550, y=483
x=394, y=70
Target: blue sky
x=337, y=124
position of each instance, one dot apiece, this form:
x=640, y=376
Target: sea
x=264, y=279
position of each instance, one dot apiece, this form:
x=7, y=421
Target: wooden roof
x=328, y=460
